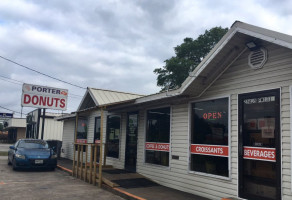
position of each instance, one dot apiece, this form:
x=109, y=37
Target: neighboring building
x=52, y=130
x=16, y=128
x=226, y=132
x=68, y=134
x=5, y=117
x=88, y=115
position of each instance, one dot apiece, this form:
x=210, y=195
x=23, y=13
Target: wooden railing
x=87, y=162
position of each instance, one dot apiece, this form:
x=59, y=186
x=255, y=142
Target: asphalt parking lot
x=34, y=185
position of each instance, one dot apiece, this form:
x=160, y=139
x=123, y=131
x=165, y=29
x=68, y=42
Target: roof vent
x=257, y=58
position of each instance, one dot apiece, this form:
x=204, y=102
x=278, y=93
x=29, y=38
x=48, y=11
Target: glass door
x=131, y=142
x=259, y=145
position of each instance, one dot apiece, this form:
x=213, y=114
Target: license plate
x=38, y=161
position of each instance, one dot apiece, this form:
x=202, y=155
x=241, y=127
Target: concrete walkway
x=135, y=186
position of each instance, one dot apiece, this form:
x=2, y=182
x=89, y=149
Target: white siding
x=53, y=129
x=68, y=139
x=239, y=78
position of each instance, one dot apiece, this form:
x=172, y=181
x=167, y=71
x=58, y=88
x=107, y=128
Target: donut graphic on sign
x=27, y=87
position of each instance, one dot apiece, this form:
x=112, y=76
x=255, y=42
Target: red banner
x=212, y=150
x=259, y=153
x=97, y=141
x=157, y=146
x=83, y=141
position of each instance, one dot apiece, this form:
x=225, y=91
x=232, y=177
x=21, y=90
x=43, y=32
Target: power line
x=10, y=81
x=12, y=110
x=20, y=83
x=41, y=72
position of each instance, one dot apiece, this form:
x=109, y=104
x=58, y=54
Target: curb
x=64, y=169
x=116, y=191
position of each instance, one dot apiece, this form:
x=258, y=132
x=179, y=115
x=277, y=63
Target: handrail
x=80, y=161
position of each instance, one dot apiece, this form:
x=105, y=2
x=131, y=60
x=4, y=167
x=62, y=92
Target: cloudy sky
x=110, y=44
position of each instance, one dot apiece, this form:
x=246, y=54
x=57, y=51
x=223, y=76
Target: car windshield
x=33, y=144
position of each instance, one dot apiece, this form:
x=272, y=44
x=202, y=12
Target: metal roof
x=102, y=97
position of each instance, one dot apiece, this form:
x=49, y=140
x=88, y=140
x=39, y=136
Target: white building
x=16, y=128
x=53, y=129
x=226, y=132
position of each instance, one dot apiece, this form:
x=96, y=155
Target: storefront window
x=81, y=131
x=113, y=135
x=97, y=130
x=158, y=136
x=209, y=137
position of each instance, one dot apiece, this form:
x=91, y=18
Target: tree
x=188, y=56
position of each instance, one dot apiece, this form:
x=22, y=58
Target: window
x=82, y=131
x=113, y=135
x=158, y=136
x=97, y=130
x=33, y=144
x=209, y=137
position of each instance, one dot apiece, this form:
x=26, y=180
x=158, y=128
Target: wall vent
x=257, y=58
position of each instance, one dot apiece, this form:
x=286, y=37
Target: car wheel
x=53, y=168
x=14, y=167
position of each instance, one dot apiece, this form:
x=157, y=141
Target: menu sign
x=259, y=153
x=212, y=150
x=83, y=141
x=260, y=100
x=154, y=146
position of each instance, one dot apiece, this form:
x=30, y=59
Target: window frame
x=229, y=138
x=95, y=119
x=87, y=124
x=145, y=137
x=120, y=137
x=290, y=91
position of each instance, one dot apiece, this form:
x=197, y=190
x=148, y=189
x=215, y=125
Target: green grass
x=3, y=153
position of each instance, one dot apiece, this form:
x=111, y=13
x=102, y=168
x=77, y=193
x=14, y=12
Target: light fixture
x=251, y=45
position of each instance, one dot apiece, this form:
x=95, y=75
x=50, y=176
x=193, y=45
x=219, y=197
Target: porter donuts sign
x=44, y=97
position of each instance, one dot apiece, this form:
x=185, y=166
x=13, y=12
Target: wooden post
x=105, y=153
x=81, y=167
x=94, y=172
x=100, y=149
x=74, y=159
x=90, y=168
x=74, y=146
x=85, y=167
x=78, y=160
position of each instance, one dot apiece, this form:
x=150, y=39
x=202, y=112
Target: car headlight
x=19, y=156
x=54, y=156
